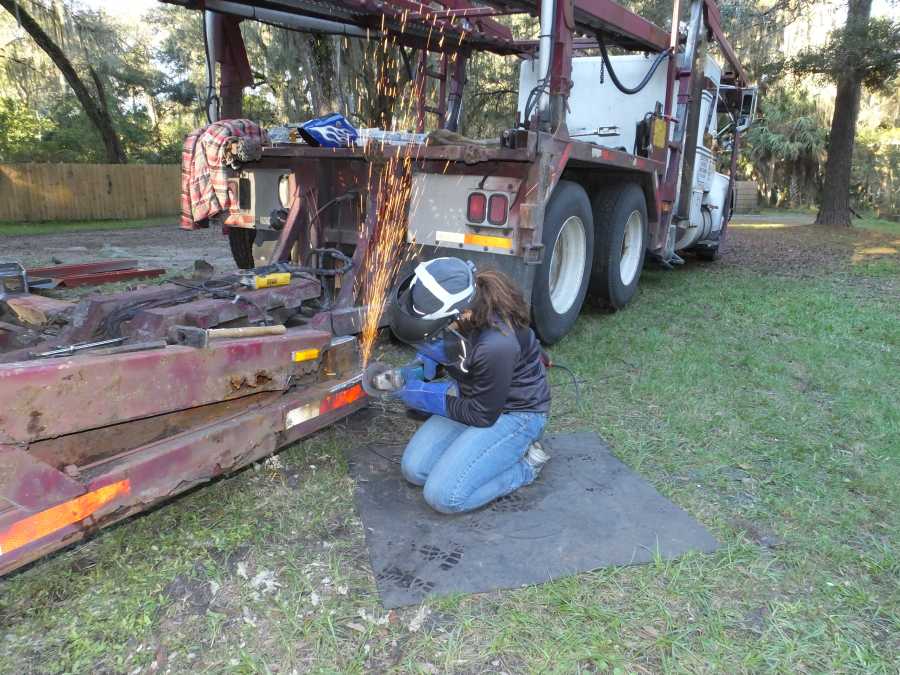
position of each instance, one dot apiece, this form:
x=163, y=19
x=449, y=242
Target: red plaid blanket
x=205, y=192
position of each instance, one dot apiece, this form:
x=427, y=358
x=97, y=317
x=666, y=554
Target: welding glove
x=434, y=351
x=427, y=397
x=429, y=366
x=415, y=370
x=423, y=368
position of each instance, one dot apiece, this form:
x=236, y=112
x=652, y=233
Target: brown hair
x=498, y=302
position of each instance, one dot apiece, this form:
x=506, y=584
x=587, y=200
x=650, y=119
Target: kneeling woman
x=481, y=441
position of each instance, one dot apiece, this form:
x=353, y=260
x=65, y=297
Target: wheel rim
x=567, y=264
x=632, y=247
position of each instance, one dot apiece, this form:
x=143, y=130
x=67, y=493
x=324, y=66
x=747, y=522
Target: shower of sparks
x=385, y=254
x=394, y=198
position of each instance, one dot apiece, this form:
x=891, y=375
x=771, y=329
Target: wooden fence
x=31, y=192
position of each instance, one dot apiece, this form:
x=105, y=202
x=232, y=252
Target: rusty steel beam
x=63, y=271
x=57, y=396
x=93, y=278
x=627, y=28
x=32, y=526
x=714, y=22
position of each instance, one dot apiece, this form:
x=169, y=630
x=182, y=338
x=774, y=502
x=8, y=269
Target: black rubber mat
x=586, y=510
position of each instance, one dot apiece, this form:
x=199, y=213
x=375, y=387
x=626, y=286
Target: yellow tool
x=258, y=281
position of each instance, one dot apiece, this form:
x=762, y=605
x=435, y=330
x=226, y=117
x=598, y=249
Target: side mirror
x=747, y=112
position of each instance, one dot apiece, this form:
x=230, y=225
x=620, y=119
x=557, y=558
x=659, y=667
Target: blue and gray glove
x=423, y=368
x=427, y=397
x=435, y=351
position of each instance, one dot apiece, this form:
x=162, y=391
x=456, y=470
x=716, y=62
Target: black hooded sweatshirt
x=502, y=372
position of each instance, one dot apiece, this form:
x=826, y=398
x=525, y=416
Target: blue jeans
x=465, y=467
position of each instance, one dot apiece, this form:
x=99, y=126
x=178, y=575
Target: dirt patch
x=782, y=245
x=159, y=246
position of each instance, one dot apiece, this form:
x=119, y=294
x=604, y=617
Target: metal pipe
x=209, y=35
x=548, y=9
x=287, y=20
x=686, y=64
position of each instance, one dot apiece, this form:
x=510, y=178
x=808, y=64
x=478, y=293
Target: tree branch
x=114, y=152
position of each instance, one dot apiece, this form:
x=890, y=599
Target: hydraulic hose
x=612, y=74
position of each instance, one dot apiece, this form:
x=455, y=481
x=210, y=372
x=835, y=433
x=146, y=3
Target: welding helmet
x=331, y=131
x=429, y=299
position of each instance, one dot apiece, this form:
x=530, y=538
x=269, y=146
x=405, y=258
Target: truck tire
x=241, y=239
x=620, y=221
x=561, y=281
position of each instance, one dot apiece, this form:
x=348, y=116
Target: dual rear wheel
x=594, y=245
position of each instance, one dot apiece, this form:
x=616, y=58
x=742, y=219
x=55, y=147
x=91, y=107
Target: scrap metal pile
x=31, y=322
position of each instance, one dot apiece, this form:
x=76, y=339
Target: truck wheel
x=562, y=279
x=241, y=239
x=620, y=218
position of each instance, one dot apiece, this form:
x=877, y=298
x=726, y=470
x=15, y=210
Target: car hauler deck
x=565, y=202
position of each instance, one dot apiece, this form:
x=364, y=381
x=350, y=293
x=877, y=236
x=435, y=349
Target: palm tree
x=787, y=146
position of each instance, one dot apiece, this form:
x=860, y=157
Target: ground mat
x=587, y=510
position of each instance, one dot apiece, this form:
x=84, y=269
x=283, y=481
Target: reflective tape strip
x=334, y=400
x=57, y=517
x=450, y=237
x=304, y=413
x=473, y=239
x=305, y=355
x=485, y=240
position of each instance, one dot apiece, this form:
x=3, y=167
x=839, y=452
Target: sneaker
x=535, y=457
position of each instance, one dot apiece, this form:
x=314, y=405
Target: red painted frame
x=66, y=425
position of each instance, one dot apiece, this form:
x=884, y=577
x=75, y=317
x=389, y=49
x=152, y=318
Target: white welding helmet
x=431, y=297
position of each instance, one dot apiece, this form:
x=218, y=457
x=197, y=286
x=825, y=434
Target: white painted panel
x=596, y=102
x=439, y=203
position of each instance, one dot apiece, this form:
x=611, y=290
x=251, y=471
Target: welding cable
x=534, y=96
x=334, y=253
x=222, y=294
x=111, y=325
x=340, y=199
x=612, y=74
x=572, y=375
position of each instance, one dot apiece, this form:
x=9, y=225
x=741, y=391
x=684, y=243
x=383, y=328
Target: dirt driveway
x=154, y=246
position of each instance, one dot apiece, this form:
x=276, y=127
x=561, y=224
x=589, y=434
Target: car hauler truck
x=611, y=160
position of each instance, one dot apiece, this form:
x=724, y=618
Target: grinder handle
x=245, y=331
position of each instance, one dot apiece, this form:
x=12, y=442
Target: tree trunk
x=98, y=114
x=835, y=208
x=794, y=190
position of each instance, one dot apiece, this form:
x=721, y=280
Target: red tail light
x=341, y=398
x=498, y=209
x=477, y=207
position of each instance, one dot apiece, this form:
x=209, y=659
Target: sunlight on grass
x=870, y=251
x=69, y=226
x=762, y=226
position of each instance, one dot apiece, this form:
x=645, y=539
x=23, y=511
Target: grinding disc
x=372, y=371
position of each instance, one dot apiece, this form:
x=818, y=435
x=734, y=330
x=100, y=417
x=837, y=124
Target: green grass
x=765, y=406
x=878, y=225
x=867, y=222
x=66, y=226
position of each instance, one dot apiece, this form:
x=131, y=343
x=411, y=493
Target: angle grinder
x=380, y=379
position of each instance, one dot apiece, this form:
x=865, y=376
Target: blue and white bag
x=331, y=131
